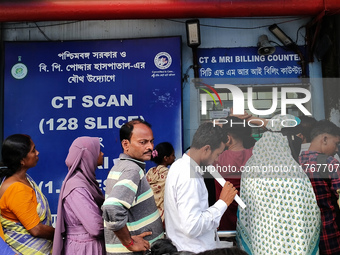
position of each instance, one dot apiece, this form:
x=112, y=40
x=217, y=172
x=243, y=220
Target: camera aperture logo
x=204, y=97
x=163, y=60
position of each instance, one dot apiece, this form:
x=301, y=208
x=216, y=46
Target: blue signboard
x=58, y=91
x=246, y=66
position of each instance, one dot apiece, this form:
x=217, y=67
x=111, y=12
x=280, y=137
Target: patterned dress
x=282, y=215
x=156, y=177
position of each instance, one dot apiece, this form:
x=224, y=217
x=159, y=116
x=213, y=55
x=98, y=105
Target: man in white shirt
x=189, y=221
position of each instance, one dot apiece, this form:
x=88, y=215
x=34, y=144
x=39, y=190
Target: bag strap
x=321, y=160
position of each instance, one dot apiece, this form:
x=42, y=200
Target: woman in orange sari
x=25, y=214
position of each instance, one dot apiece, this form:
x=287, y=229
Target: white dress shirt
x=189, y=221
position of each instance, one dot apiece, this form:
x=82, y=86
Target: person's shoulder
x=309, y=155
x=180, y=168
x=184, y=160
x=129, y=163
x=15, y=190
x=157, y=170
x=321, y=157
x=125, y=164
x=152, y=169
x=332, y=160
x=80, y=192
x=224, y=154
x=303, y=155
x=15, y=186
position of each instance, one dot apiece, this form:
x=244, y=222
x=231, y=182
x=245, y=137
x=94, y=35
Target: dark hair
x=14, y=149
x=325, y=127
x=239, y=132
x=307, y=123
x=162, y=246
x=125, y=131
x=208, y=134
x=224, y=251
x=163, y=150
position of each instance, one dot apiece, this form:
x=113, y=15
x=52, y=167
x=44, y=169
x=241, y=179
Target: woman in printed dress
x=163, y=155
x=282, y=215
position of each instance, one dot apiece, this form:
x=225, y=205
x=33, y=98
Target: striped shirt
x=129, y=201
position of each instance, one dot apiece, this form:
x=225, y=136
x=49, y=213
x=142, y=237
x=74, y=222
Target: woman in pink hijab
x=79, y=228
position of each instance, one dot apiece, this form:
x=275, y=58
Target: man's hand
x=243, y=116
x=133, y=243
x=139, y=244
x=228, y=193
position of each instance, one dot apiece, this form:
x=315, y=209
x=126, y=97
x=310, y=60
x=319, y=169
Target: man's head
x=307, y=124
x=137, y=139
x=237, y=133
x=325, y=137
x=209, y=141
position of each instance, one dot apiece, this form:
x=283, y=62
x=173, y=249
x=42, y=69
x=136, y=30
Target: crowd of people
x=291, y=193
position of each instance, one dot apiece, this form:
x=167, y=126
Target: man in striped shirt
x=131, y=218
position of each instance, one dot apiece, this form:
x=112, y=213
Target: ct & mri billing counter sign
x=225, y=68
x=58, y=91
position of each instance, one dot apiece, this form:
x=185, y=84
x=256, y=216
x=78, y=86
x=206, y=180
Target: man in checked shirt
x=324, y=172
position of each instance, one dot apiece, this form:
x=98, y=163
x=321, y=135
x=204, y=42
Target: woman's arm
x=22, y=204
x=42, y=231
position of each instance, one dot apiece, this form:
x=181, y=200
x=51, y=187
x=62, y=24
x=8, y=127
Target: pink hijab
x=82, y=164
